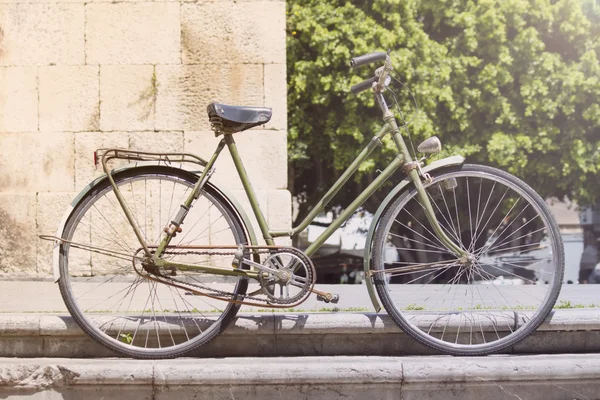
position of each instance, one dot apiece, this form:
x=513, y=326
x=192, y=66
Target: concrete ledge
x=546, y=376
x=292, y=334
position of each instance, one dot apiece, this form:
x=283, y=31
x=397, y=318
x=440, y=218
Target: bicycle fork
x=413, y=169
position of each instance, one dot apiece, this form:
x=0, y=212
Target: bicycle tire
x=73, y=282
x=424, y=322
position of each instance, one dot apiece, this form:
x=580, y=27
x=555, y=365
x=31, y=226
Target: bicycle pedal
x=329, y=298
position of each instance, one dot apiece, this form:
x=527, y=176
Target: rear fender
x=232, y=202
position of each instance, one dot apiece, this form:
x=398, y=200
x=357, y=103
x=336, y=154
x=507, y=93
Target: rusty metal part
x=216, y=297
x=205, y=250
x=272, y=251
x=326, y=297
x=172, y=230
x=132, y=155
x=216, y=125
x=286, y=265
x=201, y=290
x=409, y=166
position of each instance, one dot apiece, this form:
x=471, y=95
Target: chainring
x=303, y=283
x=292, y=275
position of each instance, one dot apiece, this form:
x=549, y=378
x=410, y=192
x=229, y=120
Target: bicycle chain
x=222, y=293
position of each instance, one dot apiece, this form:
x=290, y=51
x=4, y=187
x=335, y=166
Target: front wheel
x=480, y=303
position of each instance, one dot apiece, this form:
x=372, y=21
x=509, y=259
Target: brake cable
x=405, y=124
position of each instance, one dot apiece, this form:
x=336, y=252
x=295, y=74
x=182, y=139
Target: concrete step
x=548, y=377
x=293, y=334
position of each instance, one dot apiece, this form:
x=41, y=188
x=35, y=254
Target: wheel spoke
x=129, y=304
x=469, y=304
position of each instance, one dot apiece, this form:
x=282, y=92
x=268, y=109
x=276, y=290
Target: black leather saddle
x=231, y=119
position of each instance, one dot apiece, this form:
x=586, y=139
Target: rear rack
x=105, y=155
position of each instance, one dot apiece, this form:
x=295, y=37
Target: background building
x=76, y=76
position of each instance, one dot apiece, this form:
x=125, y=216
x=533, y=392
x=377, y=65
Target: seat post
x=262, y=222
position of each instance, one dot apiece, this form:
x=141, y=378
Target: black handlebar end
x=365, y=85
x=367, y=59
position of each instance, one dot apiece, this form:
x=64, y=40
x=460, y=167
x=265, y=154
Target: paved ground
x=44, y=297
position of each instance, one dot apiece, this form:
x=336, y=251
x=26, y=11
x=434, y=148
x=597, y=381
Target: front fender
x=225, y=195
x=443, y=163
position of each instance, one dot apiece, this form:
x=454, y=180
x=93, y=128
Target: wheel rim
x=123, y=309
x=501, y=294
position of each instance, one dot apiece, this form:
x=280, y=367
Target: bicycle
x=154, y=261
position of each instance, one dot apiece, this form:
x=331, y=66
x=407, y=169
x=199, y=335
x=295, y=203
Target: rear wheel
x=106, y=293
x=478, y=304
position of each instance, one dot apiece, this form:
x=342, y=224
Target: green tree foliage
x=509, y=83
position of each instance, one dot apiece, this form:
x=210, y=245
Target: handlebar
x=367, y=59
x=379, y=81
x=364, y=85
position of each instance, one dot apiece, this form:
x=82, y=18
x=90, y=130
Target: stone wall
x=76, y=76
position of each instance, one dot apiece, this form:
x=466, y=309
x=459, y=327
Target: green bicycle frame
x=402, y=159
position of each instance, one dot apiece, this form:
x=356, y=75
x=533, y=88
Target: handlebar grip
x=367, y=59
x=360, y=87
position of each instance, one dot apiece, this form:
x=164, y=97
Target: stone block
x=186, y=90
x=280, y=214
x=233, y=32
x=17, y=234
x=127, y=97
x=286, y=390
x=20, y=325
x=102, y=392
x=133, y=33
x=74, y=347
x=36, y=1
x=203, y=144
x=60, y=326
x=229, y=346
x=263, y=201
x=50, y=210
x=283, y=241
x=276, y=95
x=20, y=347
x=547, y=342
x=264, y=154
x=69, y=98
x=85, y=145
x=36, y=162
x=18, y=99
x=79, y=1
x=42, y=34
x=166, y=142
x=280, y=209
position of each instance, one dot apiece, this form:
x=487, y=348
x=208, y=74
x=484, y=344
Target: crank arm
x=324, y=296
x=273, y=271
x=260, y=267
